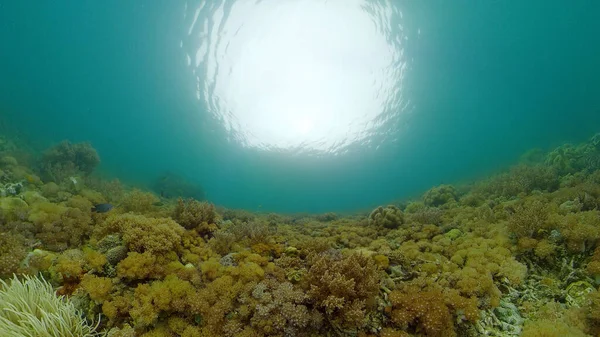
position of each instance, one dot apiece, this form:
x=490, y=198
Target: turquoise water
x=295, y=106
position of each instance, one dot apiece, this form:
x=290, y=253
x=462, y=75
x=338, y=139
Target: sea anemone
x=30, y=308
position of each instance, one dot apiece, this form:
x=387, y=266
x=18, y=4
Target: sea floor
x=515, y=254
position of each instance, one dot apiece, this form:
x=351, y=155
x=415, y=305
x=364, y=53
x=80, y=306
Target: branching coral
x=445, y=265
x=581, y=230
x=530, y=220
x=193, y=214
x=280, y=309
x=343, y=288
x=67, y=159
x=431, y=311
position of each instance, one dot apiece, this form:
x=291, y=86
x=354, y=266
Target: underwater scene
x=363, y=168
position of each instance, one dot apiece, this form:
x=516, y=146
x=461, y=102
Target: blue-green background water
x=484, y=82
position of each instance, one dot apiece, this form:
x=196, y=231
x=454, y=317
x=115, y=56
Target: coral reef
x=515, y=254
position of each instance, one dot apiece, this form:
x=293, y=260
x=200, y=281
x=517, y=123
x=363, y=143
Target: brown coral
x=193, y=214
x=143, y=234
x=343, y=288
x=431, y=310
x=12, y=251
x=388, y=217
x=67, y=159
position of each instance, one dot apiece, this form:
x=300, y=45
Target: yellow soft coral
x=97, y=287
x=60, y=226
x=95, y=260
x=138, y=201
x=343, y=287
x=431, y=310
x=193, y=214
x=144, y=234
x=171, y=294
x=137, y=266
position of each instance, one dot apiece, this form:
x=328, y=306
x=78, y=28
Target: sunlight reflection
x=313, y=75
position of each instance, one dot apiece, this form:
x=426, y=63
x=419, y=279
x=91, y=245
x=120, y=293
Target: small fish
x=102, y=208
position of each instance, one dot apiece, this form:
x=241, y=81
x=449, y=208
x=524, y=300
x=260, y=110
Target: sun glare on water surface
x=313, y=75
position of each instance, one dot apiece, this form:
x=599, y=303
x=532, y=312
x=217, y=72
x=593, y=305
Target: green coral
x=193, y=214
x=388, y=217
x=144, y=234
x=59, y=226
x=66, y=159
x=440, y=195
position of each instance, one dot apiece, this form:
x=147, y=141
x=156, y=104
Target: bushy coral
x=13, y=250
x=343, y=288
x=13, y=209
x=566, y=159
x=193, y=214
x=143, y=234
x=98, y=288
x=280, y=309
x=440, y=195
x=388, y=217
x=520, y=179
x=450, y=264
x=66, y=159
x=59, y=226
x=137, y=266
x=530, y=219
x=138, y=201
x=581, y=231
x=418, y=212
x=431, y=311
x=150, y=300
